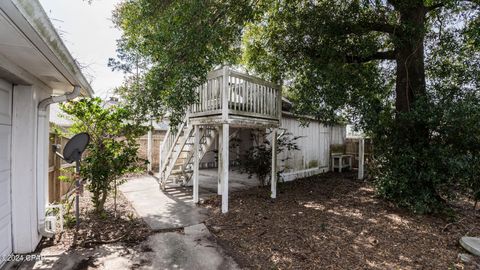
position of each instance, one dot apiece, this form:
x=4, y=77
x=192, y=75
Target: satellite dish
x=75, y=147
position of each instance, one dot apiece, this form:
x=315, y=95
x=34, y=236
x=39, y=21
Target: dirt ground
x=333, y=221
x=124, y=226
x=107, y=242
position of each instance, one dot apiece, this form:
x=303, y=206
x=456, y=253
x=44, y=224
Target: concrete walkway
x=162, y=210
x=194, y=248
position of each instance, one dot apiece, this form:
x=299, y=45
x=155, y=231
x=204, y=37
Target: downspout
x=42, y=156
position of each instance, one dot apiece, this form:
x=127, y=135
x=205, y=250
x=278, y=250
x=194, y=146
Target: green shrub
x=258, y=159
x=112, y=150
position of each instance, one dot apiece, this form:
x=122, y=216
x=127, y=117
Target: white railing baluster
x=226, y=91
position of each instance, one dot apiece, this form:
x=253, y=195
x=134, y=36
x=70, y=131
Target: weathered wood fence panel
x=157, y=139
x=351, y=148
x=57, y=169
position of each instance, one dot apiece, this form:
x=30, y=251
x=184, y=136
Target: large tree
x=402, y=70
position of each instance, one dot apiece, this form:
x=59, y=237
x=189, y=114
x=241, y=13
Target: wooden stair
x=177, y=152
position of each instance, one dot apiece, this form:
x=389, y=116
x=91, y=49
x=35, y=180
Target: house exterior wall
x=314, y=142
x=5, y=168
x=25, y=185
x=35, y=64
x=244, y=143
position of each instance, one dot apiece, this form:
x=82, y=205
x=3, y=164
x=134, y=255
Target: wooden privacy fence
x=157, y=139
x=351, y=148
x=58, y=169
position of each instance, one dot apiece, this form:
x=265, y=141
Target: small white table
x=340, y=162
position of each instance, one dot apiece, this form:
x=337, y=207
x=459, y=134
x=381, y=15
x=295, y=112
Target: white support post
x=274, y=164
x=361, y=158
x=149, y=147
x=196, y=163
x=219, y=161
x=224, y=161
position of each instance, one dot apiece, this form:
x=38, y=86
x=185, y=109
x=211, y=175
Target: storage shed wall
x=314, y=142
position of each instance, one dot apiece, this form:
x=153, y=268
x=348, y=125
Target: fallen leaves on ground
x=333, y=221
x=124, y=226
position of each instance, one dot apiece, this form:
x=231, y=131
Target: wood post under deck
x=232, y=99
x=225, y=166
x=196, y=163
x=219, y=163
x=273, y=180
x=361, y=158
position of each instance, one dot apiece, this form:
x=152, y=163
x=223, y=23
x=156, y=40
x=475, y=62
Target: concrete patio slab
x=158, y=209
x=192, y=249
x=471, y=244
x=237, y=181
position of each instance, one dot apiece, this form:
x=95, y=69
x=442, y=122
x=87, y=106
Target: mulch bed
x=333, y=221
x=125, y=226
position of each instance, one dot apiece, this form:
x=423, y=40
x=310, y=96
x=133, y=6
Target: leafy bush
x=258, y=159
x=425, y=174
x=112, y=151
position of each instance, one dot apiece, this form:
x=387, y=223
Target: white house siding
x=28, y=200
x=338, y=135
x=5, y=157
x=314, y=142
x=36, y=65
x=243, y=135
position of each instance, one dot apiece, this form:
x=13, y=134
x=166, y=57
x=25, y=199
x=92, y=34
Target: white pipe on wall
x=42, y=156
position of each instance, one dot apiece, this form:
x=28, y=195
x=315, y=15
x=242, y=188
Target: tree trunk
x=410, y=77
x=410, y=81
x=101, y=202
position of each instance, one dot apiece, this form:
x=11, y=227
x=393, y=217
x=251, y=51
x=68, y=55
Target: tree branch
x=442, y=4
x=434, y=6
x=379, y=27
x=387, y=55
x=366, y=27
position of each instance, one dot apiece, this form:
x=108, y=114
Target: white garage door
x=5, y=151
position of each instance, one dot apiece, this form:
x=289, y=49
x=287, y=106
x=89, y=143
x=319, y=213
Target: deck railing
x=168, y=144
x=240, y=94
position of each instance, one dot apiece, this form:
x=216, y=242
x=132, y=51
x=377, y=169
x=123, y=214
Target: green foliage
x=184, y=40
x=405, y=72
x=55, y=130
x=69, y=220
x=258, y=159
x=65, y=174
x=423, y=174
x=112, y=150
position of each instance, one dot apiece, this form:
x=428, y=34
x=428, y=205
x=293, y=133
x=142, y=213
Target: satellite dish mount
x=72, y=152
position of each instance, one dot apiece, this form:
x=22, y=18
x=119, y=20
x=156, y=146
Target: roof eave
x=32, y=20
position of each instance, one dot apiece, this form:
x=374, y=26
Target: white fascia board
x=33, y=22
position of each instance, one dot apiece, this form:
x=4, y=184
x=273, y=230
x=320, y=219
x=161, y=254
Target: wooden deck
x=238, y=99
x=228, y=99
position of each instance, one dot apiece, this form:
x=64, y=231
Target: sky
x=89, y=34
